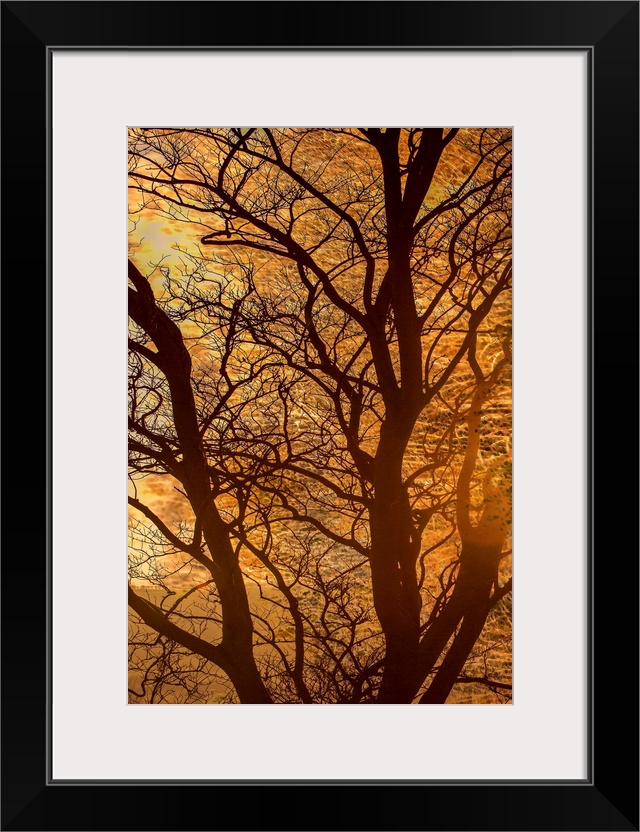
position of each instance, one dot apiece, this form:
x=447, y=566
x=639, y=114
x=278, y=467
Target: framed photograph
x=325, y=392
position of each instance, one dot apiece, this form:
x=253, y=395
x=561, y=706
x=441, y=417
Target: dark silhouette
x=326, y=380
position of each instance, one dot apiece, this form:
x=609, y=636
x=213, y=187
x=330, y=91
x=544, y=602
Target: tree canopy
x=320, y=399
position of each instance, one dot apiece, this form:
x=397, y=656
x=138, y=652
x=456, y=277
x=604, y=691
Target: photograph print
x=319, y=393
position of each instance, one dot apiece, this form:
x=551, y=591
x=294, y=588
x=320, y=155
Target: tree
x=324, y=375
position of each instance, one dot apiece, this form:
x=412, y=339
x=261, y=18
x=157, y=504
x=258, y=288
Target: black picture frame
x=608, y=798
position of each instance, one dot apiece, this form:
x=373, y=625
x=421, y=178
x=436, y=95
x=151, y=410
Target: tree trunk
x=174, y=360
x=470, y=603
x=394, y=553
